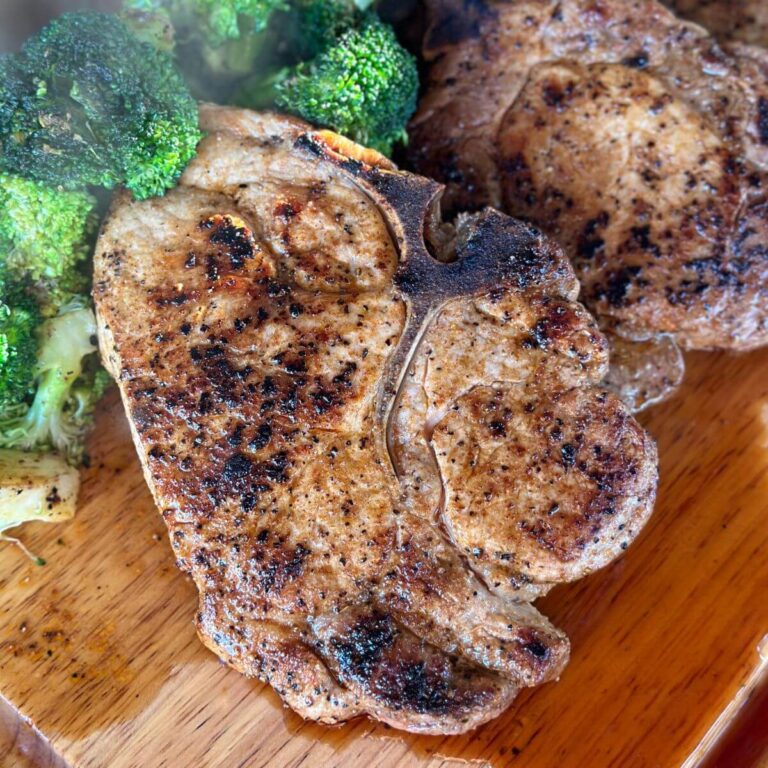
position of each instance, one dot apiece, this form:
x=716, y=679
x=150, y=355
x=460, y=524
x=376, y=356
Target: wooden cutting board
x=99, y=653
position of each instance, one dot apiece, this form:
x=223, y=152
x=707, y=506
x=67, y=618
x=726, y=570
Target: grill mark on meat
x=361, y=651
x=641, y=237
x=395, y=667
x=591, y=242
x=232, y=240
x=174, y=297
x=638, y=61
x=556, y=95
x=617, y=286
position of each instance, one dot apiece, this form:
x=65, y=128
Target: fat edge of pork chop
x=632, y=138
x=274, y=324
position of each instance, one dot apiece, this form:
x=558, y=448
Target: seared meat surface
x=627, y=134
x=369, y=460
x=745, y=21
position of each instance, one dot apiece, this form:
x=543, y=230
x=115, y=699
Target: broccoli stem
x=51, y=397
x=53, y=418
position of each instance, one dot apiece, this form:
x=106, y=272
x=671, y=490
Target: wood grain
x=98, y=650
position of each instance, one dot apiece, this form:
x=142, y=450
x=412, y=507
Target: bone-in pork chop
x=368, y=459
x=633, y=139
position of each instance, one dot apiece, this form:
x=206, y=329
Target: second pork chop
x=633, y=139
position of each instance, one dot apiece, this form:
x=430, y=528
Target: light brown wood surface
x=98, y=649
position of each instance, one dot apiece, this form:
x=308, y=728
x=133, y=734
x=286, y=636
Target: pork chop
x=631, y=137
x=369, y=460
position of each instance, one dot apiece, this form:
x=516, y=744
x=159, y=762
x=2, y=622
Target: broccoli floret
x=61, y=408
x=318, y=24
x=365, y=86
x=19, y=322
x=45, y=237
x=86, y=102
x=29, y=481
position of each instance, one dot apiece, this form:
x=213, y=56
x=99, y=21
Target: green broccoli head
x=45, y=237
x=86, y=102
x=19, y=322
x=318, y=24
x=364, y=86
x=67, y=383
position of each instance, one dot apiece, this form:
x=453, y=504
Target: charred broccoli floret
x=50, y=378
x=86, y=102
x=50, y=381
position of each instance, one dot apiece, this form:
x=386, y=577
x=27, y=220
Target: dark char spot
x=762, y=120
x=237, y=467
x=638, y=61
x=359, y=653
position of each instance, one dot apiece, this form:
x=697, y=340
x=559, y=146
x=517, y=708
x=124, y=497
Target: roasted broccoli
x=65, y=384
x=49, y=376
x=328, y=61
x=45, y=237
x=50, y=382
x=86, y=102
x=19, y=322
x=364, y=86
